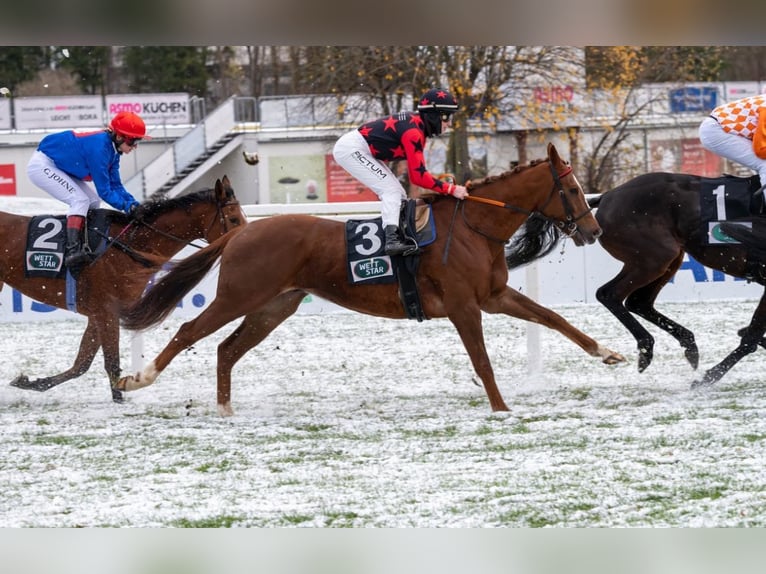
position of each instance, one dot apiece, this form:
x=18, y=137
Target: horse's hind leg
x=253, y=329
x=225, y=308
x=641, y=302
x=752, y=337
x=611, y=295
x=89, y=346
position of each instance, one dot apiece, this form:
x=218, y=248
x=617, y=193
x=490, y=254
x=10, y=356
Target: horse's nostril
x=598, y=233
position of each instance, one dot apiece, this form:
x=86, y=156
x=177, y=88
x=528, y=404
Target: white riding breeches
x=731, y=146
x=77, y=194
x=352, y=153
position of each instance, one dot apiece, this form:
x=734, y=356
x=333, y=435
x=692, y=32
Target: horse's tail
x=162, y=297
x=536, y=238
x=753, y=240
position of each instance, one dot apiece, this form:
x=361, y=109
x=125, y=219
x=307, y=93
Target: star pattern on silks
x=390, y=123
x=401, y=136
x=398, y=152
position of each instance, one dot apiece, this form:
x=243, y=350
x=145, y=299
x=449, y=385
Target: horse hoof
x=117, y=396
x=21, y=382
x=120, y=385
x=614, y=358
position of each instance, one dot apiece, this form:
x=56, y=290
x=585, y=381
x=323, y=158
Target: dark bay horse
x=161, y=229
x=268, y=266
x=649, y=223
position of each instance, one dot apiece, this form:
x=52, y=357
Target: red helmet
x=437, y=100
x=128, y=124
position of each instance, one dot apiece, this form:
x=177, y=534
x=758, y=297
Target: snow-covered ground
x=348, y=420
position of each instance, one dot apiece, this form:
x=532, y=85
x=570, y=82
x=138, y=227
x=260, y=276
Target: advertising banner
x=62, y=112
x=736, y=90
x=7, y=179
x=5, y=114
x=341, y=186
x=154, y=109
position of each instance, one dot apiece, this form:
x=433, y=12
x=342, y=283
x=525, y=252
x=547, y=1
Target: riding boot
x=75, y=256
x=394, y=245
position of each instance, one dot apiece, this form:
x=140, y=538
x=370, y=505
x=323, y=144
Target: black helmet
x=433, y=105
x=439, y=100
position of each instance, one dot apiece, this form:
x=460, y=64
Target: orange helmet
x=130, y=125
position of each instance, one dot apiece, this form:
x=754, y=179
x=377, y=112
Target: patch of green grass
x=43, y=422
x=220, y=466
x=581, y=393
x=734, y=406
x=753, y=437
x=447, y=432
x=104, y=478
x=76, y=441
x=520, y=428
x=341, y=519
x=296, y=518
x=713, y=493
x=606, y=425
x=223, y=521
x=313, y=428
x=668, y=419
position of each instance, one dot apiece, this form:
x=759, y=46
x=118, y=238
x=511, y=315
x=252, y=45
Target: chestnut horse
x=161, y=229
x=268, y=266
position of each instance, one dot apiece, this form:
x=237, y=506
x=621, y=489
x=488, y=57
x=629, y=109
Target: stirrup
x=398, y=248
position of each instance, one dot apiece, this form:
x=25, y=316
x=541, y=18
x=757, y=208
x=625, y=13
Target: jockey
x=361, y=152
x=64, y=161
x=737, y=131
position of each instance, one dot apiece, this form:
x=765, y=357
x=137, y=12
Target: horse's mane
x=473, y=184
x=536, y=238
x=156, y=206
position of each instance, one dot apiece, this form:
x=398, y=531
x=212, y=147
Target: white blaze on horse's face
x=577, y=183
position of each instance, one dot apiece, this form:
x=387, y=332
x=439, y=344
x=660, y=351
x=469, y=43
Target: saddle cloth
x=46, y=240
x=728, y=198
x=367, y=262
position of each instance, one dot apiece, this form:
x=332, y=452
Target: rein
x=143, y=260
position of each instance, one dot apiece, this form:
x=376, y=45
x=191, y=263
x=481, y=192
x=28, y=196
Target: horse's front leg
x=511, y=302
x=109, y=333
x=215, y=316
x=89, y=346
x=467, y=320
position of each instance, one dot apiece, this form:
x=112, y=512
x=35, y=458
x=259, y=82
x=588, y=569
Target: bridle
x=568, y=226
x=220, y=216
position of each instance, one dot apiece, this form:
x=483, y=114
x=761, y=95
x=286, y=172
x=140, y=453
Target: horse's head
x=571, y=213
x=207, y=214
x=229, y=212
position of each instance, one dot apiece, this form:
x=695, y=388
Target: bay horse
x=267, y=267
x=649, y=222
x=137, y=249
